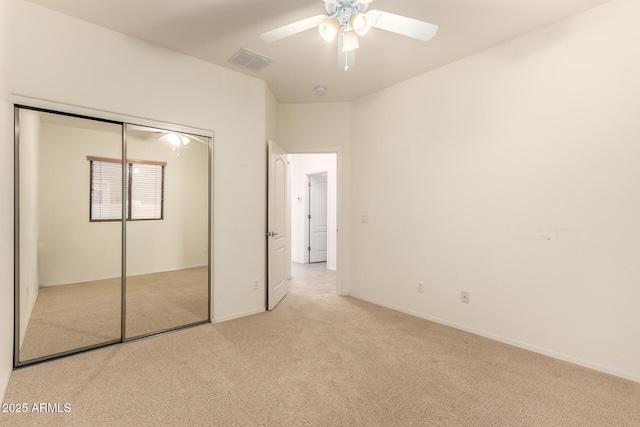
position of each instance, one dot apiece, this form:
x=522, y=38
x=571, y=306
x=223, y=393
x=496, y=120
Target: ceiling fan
x=348, y=19
x=175, y=139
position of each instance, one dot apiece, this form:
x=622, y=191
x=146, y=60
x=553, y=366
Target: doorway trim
x=341, y=288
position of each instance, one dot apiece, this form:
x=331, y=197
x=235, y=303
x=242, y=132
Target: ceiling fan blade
x=402, y=25
x=293, y=28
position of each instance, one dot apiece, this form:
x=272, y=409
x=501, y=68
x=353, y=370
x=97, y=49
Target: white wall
x=302, y=165
x=513, y=175
x=65, y=60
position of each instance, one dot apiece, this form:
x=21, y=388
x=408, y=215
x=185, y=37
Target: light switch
x=365, y=219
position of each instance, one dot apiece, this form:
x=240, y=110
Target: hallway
x=312, y=279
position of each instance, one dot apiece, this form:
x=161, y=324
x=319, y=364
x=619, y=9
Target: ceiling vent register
x=250, y=60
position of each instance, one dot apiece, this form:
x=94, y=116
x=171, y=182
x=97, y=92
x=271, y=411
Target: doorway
x=316, y=218
x=314, y=213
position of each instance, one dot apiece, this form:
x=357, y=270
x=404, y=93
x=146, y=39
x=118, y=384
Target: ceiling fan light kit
x=360, y=23
x=329, y=28
x=348, y=19
x=175, y=138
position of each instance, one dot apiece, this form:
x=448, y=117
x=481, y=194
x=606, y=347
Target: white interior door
x=277, y=233
x=318, y=217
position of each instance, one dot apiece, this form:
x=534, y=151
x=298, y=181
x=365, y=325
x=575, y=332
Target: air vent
x=249, y=59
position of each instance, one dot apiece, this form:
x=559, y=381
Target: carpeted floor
x=321, y=360
x=83, y=314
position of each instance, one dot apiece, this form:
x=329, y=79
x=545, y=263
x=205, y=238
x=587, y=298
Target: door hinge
x=309, y=216
x=309, y=248
x=309, y=184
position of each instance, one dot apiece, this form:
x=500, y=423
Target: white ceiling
x=213, y=30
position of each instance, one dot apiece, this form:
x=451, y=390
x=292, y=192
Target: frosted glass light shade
x=360, y=23
x=350, y=41
x=329, y=28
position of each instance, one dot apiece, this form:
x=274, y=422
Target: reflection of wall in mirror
x=181, y=239
x=72, y=249
x=29, y=158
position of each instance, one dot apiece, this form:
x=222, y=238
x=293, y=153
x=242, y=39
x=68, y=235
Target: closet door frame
x=25, y=103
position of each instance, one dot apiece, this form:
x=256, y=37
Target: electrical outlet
x=420, y=287
x=464, y=297
x=255, y=285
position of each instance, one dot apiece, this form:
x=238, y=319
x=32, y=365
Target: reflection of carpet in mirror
x=79, y=315
x=160, y=301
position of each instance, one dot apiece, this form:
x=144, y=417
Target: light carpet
x=321, y=360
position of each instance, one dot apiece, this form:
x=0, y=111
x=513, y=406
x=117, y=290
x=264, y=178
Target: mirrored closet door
x=69, y=266
x=112, y=232
x=167, y=230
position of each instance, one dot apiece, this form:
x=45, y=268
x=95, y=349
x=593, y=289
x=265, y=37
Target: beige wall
x=513, y=175
x=271, y=116
x=314, y=126
x=6, y=209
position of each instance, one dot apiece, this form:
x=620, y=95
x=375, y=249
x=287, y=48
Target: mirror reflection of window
x=145, y=195
x=105, y=187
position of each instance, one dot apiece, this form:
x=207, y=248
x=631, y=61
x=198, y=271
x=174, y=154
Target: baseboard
x=238, y=315
x=510, y=341
x=131, y=274
x=74, y=281
x=32, y=304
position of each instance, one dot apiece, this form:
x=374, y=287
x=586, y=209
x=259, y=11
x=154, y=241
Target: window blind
x=106, y=191
x=145, y=189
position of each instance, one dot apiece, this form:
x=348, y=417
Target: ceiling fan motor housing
x=342, y=10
